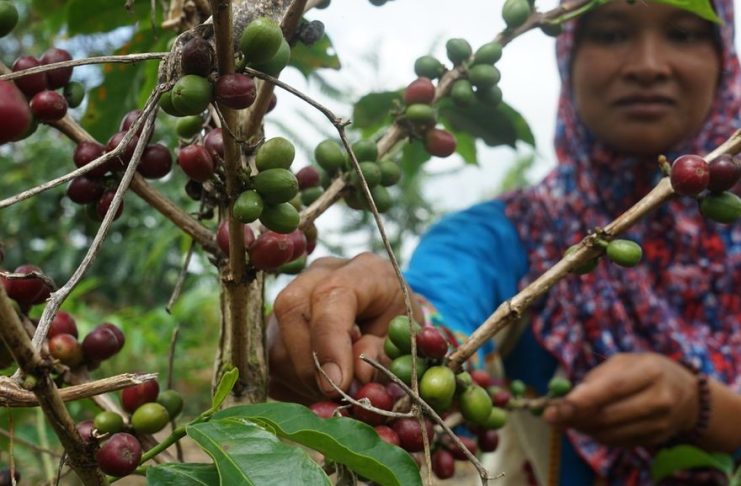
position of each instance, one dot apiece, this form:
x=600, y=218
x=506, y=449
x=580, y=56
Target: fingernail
x=334, y=373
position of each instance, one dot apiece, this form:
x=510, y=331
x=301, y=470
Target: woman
x=637, y=81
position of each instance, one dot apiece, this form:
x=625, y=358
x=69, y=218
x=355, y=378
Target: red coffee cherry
x=66, y=349
x=443, y=464
x=481, y=378
x=63, y=323
x=101, y=207
x=197, y=57
x=431, y=343
x=100, y=344
x=123, y=159
x=725, y=171
x=298, y=238
x=29, y=85
x=457, y=452
x=119, y=455
x=214, y=143
x=410, y=433
x=137, y=395
x=387, y=434
x=58, y=77
x=488, y=440
x=439, y=143
x=421, y=90
x=156, y=162
x=308, y=177
x=270, y=250
x=86, y=152
x=25, y=290
x=48, y=106
x=690, y=175
x=324, y=409
x=129, y=119
x=83, y=190
x=15, y=115
x=196, y=162
x=85, y=429
x=235, y=91
x=379, y=398
x=117, y=332
x=222, y=236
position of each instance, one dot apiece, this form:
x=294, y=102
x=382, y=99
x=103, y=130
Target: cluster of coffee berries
x=119, y=449
x=103, y=342
x=710, y=182
x=625, y=253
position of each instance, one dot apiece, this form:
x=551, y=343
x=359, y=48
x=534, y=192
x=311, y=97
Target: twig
x=181, y=279
x=171, y=379
x=128, y=58
x=11, y=448
x=363, y=403
x=431, y=412
x=29, y=444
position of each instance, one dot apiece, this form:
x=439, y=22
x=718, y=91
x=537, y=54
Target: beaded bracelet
x=703, y=413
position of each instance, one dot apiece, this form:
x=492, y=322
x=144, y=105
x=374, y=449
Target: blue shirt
x=466, y=265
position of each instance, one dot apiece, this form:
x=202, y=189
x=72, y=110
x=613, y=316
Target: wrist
x=700, y=410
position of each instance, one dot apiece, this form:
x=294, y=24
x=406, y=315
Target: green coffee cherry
x=390, y=349
x=559, y=386
x=365, y=150
x=276, y=185
x=150, y=418
x=294, y=267
x=402, y=368
x=74, y=92
x=458, y=50
x=515, y=12
x=330, y=156
x=191, y=94
x=625, y=253
x=8, y=18
x=724, y=207
x=400, y=332
x=462, y=93
x=517, y=388
x=475, y=404
x=261, y=40
x=280, y=60
x=489, y=53
x=428, y=67
x=484, y=76
x=496, y=420
x=281, y=218
x=421, y=114
x=109, y=422
x=310, y=194
x=390, y=172
x=437, y=386
x=371, y=172
x=382, y=198
x=188, y=126
x=248, y=207
x=491, y=96
x=275, y=153
x=172, y=401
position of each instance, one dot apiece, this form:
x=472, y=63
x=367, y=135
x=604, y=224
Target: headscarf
x=682, y=300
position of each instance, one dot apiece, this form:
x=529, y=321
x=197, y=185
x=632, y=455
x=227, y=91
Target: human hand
x=632, y=399
x=339, y=309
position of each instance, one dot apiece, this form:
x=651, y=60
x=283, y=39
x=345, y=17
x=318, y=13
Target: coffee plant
x=182, y=128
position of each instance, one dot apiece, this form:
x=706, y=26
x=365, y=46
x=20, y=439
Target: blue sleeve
x=467, y=264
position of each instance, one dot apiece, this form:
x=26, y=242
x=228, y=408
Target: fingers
x=372, y=347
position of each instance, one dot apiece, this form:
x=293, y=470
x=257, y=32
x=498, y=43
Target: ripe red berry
x=197, y=57
x=63, y=323
x=25, y=290
x=457, y=452
x=298, y=238
x=135, y=396
x=85, y=429
x=86, y=152
x=101, y=207
x=66, y=349
x=431, y=343
x=270, y=250
x=500, y=397
x=387, y=434
x=117, y=332
x=15, y=115
x=379, y=398
x=421, y=90
x=235, y=91
x=29, y=85
x=410, y=433
x=119, y=455
x=481, y=378
x=120, y=162
x=222, y=236
x=214, y=143
x=58, y=77
x=129, y=119
x=272, y=103
x=83, y=190
x=488, y=440
x=324, y=409
x=100, y=344
x=690, y=175
x=196, y=162
x=439, y=143
x=725, y=171
x=156, y=162
x=48, y=106
x=308, y=177
x=443, y=464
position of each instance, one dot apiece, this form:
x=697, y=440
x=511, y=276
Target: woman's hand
x=632, y=399
x=339, y=309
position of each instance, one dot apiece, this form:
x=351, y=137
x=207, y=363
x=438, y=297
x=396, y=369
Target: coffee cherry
x=499, y=396
x=48, y=106
x=25, y=290
x=330, y=156
x=156, y=162
x=690, y=175
x=100, y=344
x=272, y=103
x=109, y=422
x=270, y=250
x=119, y=455
x=298, y=238
x=191, y=94
x=725, y=171
x=197, y=57
x=488, y=440
x=559, y=386
x=309, y=33
x=307, y=177
x=390, y=172
x=124, y=157
x=365, y=150
x=15, y=115
x=56, y=78
x=437, y=387
x=105, y=201
x=475, y=404
x=462, y=93
x=281, y=218
x=222, y=236
x=86, y=152
x=275, y=153
x=439, y=143
x=496, y=420
x=483, y=76
x=491, y=96
x=400, y=332
x=421, y=90
x=279, y=61
x=74, y=93
x=29, y=85
x=214, y=143
x=117, y=332
x=515, y=12
x=85, y=429
x=66, y=349
x=172, y=401
x=135, y=396
x=188, y=127
x=324, y=409
x=260, y=40
x=481, y=378
x=150, y=418
x=62, y=323
x=722, y=208
x=443, y=464
x=410, y=433
x=431, y=343
x=428, y=67
x=421, y=115
x=371, y=173
x=387, y=434
x=167, y=106
x=248, y=207
x=196, y=162
x=235, y=90
x=379, y=398
x=402, y=368
x=457, y=452
x=625, y=253
x=8, y=18
x=390, y=349
x=276, y=185
x=458, y=50
x=488, y=53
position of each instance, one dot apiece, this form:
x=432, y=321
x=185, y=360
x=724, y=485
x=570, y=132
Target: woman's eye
x=607, y=36
x=689, y=35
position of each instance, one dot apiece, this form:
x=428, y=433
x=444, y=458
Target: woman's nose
x=647, y=61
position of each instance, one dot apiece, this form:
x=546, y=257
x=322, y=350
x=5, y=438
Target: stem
x=175, y=436
x=128, y=58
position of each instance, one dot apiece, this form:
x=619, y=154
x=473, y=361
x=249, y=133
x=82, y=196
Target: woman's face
x=644, y=75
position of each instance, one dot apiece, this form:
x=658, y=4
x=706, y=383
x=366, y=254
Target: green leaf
x=495, y=125
x=339, y=439
x=701, y=8
x=680, y=457
x=245, y=453
x=226, y=383
x=121, y=83
x=373, y=110
x=94, y=16
x=413, y=155
x=178, y=474
x=308, y=59
x=736, y=479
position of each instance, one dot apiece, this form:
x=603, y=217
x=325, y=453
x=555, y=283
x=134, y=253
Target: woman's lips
x=644, y=106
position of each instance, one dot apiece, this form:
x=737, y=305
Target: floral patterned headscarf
x=683, y=299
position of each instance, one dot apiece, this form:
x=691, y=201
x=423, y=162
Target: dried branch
x=29, y=444
x=181, y=279
x=127, y=59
